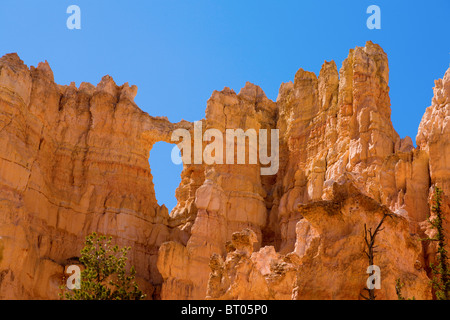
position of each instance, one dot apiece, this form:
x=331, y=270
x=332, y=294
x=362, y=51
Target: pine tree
x=104, y=276
x=441, y=270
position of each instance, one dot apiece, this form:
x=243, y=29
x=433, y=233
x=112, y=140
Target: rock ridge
x=75, y=160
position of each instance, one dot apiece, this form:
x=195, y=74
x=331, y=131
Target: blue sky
x=178, y=52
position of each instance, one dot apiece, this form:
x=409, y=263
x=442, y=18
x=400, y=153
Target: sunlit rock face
x=75, y=160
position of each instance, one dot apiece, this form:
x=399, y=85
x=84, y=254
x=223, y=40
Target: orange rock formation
x=75, y=160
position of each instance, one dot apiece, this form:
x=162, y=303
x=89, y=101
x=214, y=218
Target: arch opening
x=166, y=174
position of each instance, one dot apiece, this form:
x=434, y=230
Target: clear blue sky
x=178, y=52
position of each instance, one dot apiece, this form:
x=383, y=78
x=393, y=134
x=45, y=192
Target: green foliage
x=398, y=288
x=104, y=276
x=441, y=270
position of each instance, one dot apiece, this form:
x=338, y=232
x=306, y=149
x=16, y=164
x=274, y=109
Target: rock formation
x=75, y=160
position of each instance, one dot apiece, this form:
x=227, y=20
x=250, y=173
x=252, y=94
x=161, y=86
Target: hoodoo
x=75, y=160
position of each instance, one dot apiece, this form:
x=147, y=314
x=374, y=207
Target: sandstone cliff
x=75, y=160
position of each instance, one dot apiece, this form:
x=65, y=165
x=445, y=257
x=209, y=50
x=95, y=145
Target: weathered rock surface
x=75, y=160
x=251, y=275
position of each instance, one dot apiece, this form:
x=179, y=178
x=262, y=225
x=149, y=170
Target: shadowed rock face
x=75, y=160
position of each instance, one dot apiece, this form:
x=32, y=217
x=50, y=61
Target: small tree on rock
x=369, y=241
x=104, y=276
x=441, y=270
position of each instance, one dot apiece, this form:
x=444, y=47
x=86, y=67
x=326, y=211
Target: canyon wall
x=75, y=160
